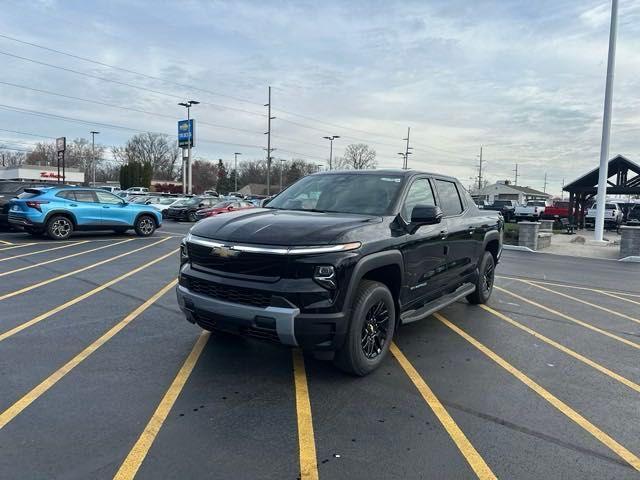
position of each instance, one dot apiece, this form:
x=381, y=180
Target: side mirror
x=426, y=215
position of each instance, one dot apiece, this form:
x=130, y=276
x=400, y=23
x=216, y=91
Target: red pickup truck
x=558, y=210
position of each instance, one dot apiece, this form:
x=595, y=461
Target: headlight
x=325, y=275
x=184, y=253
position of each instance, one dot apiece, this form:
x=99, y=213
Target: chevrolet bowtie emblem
x=224, y=252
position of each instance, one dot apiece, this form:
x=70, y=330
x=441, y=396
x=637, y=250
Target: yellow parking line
x=18, y=246
x=575, y=287
x=79, y=298
x=571, y=319
x=83, y=269
x=306, y=438
x=564, y=349
x=592, y=305
x=4, y=242
x=136, y=456
x=476, y=462
x=14, y=410
x=43, y=251
x=565, y=409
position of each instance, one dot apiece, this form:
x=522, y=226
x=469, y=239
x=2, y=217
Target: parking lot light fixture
x=331, y=139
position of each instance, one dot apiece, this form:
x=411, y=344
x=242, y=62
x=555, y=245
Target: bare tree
x=10, y=158
x=205, y=175
x=159, y=150
x=357, y=156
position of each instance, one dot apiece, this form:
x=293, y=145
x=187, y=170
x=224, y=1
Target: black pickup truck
x=506, y=207
x=339, y=260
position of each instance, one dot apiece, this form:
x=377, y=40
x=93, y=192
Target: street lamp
x=403, y=158
x=188, y=104
x=93, y=154
x=331, y=139
x=235, y=168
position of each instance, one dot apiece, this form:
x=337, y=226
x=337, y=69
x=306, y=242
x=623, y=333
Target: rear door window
x=67, y=195
x=85, y=196
x=450, y=200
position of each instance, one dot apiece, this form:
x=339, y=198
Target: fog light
x=325, y=275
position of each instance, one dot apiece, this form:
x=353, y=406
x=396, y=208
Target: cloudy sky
x=523, y=79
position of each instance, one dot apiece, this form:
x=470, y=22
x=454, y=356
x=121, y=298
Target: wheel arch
x=146, y=214
x=384, y=267
x=492, y=244
x=65, y=213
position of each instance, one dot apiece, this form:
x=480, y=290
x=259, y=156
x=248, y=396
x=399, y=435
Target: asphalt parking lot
x=101, y=377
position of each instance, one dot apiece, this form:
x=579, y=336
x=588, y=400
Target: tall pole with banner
x=61, y=145
x=185, y=138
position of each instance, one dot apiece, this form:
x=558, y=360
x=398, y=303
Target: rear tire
x=370, y=330
x=145, y=226
x=484, y=281
x=59, y=227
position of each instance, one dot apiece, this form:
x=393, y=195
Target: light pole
x=606, y=126
x=188, y=105
x=331, y=139
x=93, y=154
x=235, y=169
x=282, y=160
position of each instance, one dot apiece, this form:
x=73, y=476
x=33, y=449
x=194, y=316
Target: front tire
x=370, y=331
x=192, y=217
x=59, y=227
x=484, y=281
x=145, y=226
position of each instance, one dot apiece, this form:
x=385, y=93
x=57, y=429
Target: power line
x=145, y=75
x=131, y=109
x=118, y=82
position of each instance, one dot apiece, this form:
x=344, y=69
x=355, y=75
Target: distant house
x=505, y=190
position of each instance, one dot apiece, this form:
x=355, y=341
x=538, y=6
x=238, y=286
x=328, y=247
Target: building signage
x=184, y=134
x=61, y=144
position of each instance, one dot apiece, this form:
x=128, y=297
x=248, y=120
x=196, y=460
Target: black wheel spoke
x=374, y=331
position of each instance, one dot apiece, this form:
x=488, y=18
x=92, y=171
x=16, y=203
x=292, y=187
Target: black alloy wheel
x=484, y=279
x=192, y=217
x=374, y=330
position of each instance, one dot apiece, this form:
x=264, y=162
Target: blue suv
x=58, y=211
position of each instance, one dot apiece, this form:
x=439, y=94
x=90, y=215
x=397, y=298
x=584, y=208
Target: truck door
x=462, y=239
x=422, y=251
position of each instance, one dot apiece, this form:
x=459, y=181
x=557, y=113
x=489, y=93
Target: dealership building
x=38, y=173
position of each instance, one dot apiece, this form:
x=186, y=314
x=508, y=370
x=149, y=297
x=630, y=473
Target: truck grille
x=262, y=265
x=227, y=293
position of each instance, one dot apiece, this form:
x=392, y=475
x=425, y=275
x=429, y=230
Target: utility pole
x=544, y=189
x=406, y=151
x=235, y=169
x=93, y=154
x=282, y=160
x=516, y=172
x=606, y=126
x=480, y=171
x=331, y=139
x=268, y=134
x=188, y=106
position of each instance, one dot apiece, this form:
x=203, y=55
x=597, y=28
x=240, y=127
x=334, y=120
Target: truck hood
x=265, y=226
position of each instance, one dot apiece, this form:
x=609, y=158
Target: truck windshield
x=366, y=194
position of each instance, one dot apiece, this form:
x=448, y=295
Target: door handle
x=105, y=206
x=73, y=205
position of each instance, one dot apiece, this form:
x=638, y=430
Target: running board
x=438, y=304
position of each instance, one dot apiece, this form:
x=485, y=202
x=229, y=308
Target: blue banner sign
x=183, y=133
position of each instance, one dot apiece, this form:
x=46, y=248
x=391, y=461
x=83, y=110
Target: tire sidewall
x=139, y=232
x=487, y=259
x=191, y=216
x=364, y=365
x=50, y=223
